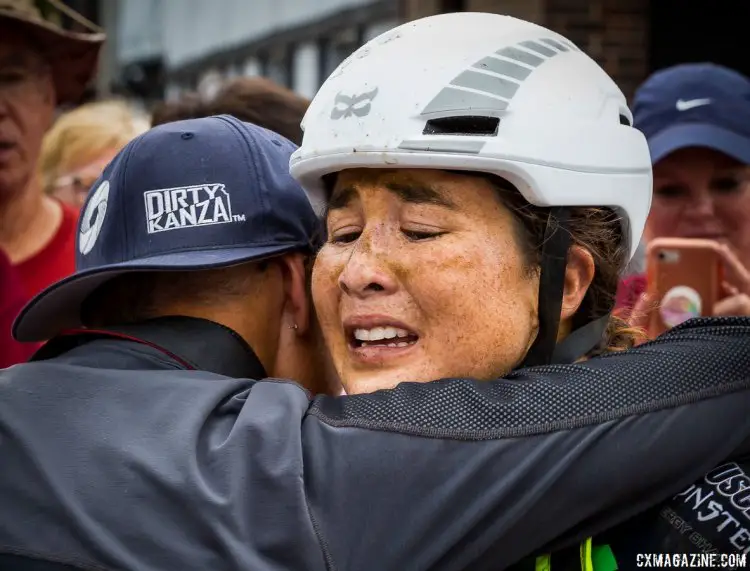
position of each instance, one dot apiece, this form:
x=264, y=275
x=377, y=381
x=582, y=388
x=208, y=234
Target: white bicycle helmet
x=489, y=93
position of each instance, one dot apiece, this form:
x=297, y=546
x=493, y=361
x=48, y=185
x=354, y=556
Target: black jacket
x=139, y=450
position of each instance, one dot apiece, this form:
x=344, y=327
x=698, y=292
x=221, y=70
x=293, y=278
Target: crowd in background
x=48, y=162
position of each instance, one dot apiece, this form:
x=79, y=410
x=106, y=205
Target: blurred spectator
x=252, y=99
x=41, y=65
x=189, y=106
x=696, y=118
x=81, y=143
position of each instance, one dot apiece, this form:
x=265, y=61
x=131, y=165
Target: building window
x=210, y=84
x=305, y=78
x=252, y=67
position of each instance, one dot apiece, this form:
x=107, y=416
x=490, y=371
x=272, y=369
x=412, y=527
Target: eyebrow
x=413, y=193
x=19, y=59
x=740, y=171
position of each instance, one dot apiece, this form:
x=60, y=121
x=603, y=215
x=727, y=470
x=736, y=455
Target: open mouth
x=385, y=336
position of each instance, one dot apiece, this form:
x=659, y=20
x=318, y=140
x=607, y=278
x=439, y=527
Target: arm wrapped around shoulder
x=470, y=474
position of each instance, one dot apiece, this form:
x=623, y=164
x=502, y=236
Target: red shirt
x=23, y=281
x=12, y=300
x=53, y=262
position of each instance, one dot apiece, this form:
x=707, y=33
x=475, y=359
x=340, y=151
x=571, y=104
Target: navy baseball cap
x=695, y=105
x=189, y=195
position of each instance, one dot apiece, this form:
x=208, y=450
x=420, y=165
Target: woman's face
x=73, y=186
x=421, y=278
x=700, y=193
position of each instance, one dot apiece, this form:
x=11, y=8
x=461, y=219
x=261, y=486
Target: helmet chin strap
x=580, y=342
x=545, y=350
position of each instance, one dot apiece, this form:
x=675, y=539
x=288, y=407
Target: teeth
x=362, y=334
x=399, y=344
x=379, y=333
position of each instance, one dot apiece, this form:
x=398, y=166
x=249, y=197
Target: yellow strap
x=543, y=563
x=587, y=564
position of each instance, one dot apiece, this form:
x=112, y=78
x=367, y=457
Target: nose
x=700, y=207
x=367, y=272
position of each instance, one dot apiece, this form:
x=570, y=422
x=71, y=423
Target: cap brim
x=58, y=307
x=699, y=135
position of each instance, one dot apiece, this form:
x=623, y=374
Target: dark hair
x=190, y=106
x=252, y=99
x=139, y=296
x=596, y=229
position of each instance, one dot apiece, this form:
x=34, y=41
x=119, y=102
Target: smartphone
x=685, y=277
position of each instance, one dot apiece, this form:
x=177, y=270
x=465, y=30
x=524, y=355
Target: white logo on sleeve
x=188, y=206
x=683, y=105
x=93, y=218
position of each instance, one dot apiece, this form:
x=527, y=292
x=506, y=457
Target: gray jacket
x=138, y=450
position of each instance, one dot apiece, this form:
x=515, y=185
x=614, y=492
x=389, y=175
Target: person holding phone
x=696, y=119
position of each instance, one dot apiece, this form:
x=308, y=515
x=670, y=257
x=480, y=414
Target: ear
x=579, y=273
x=297, y=303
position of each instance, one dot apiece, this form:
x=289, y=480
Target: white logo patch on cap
x=188, y=206
x=683, y=105
x=93, y=218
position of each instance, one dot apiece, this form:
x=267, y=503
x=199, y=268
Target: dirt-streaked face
x=421, y=278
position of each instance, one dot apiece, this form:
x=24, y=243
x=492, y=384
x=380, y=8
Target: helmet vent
x=464, y=125
x=624, y=120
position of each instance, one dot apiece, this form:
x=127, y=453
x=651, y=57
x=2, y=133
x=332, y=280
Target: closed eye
x=671, y=191
x=345, y=238
x=727, y=184
x=418, y=236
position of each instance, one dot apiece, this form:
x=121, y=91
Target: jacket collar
x=191, y=342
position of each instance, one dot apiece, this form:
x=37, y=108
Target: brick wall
x=531, y=10
x=613, y=32
x=415, y=9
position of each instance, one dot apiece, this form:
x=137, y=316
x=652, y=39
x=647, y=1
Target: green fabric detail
x=586, y=563
x=543, y=563
x=603, y=558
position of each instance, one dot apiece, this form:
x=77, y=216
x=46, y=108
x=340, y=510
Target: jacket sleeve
x=458, y=474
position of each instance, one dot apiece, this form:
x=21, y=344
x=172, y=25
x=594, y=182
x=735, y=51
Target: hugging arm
x=459, y=474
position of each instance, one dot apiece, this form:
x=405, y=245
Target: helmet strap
x=545, y=349
x=580, y=341
x=551, y=286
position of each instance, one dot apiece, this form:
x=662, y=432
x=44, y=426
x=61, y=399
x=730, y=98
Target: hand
x=737, y=300
x=641, y=314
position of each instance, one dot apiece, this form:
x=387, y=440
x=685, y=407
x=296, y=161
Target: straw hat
x=73, y=56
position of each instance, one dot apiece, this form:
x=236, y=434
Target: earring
x=293, y=326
